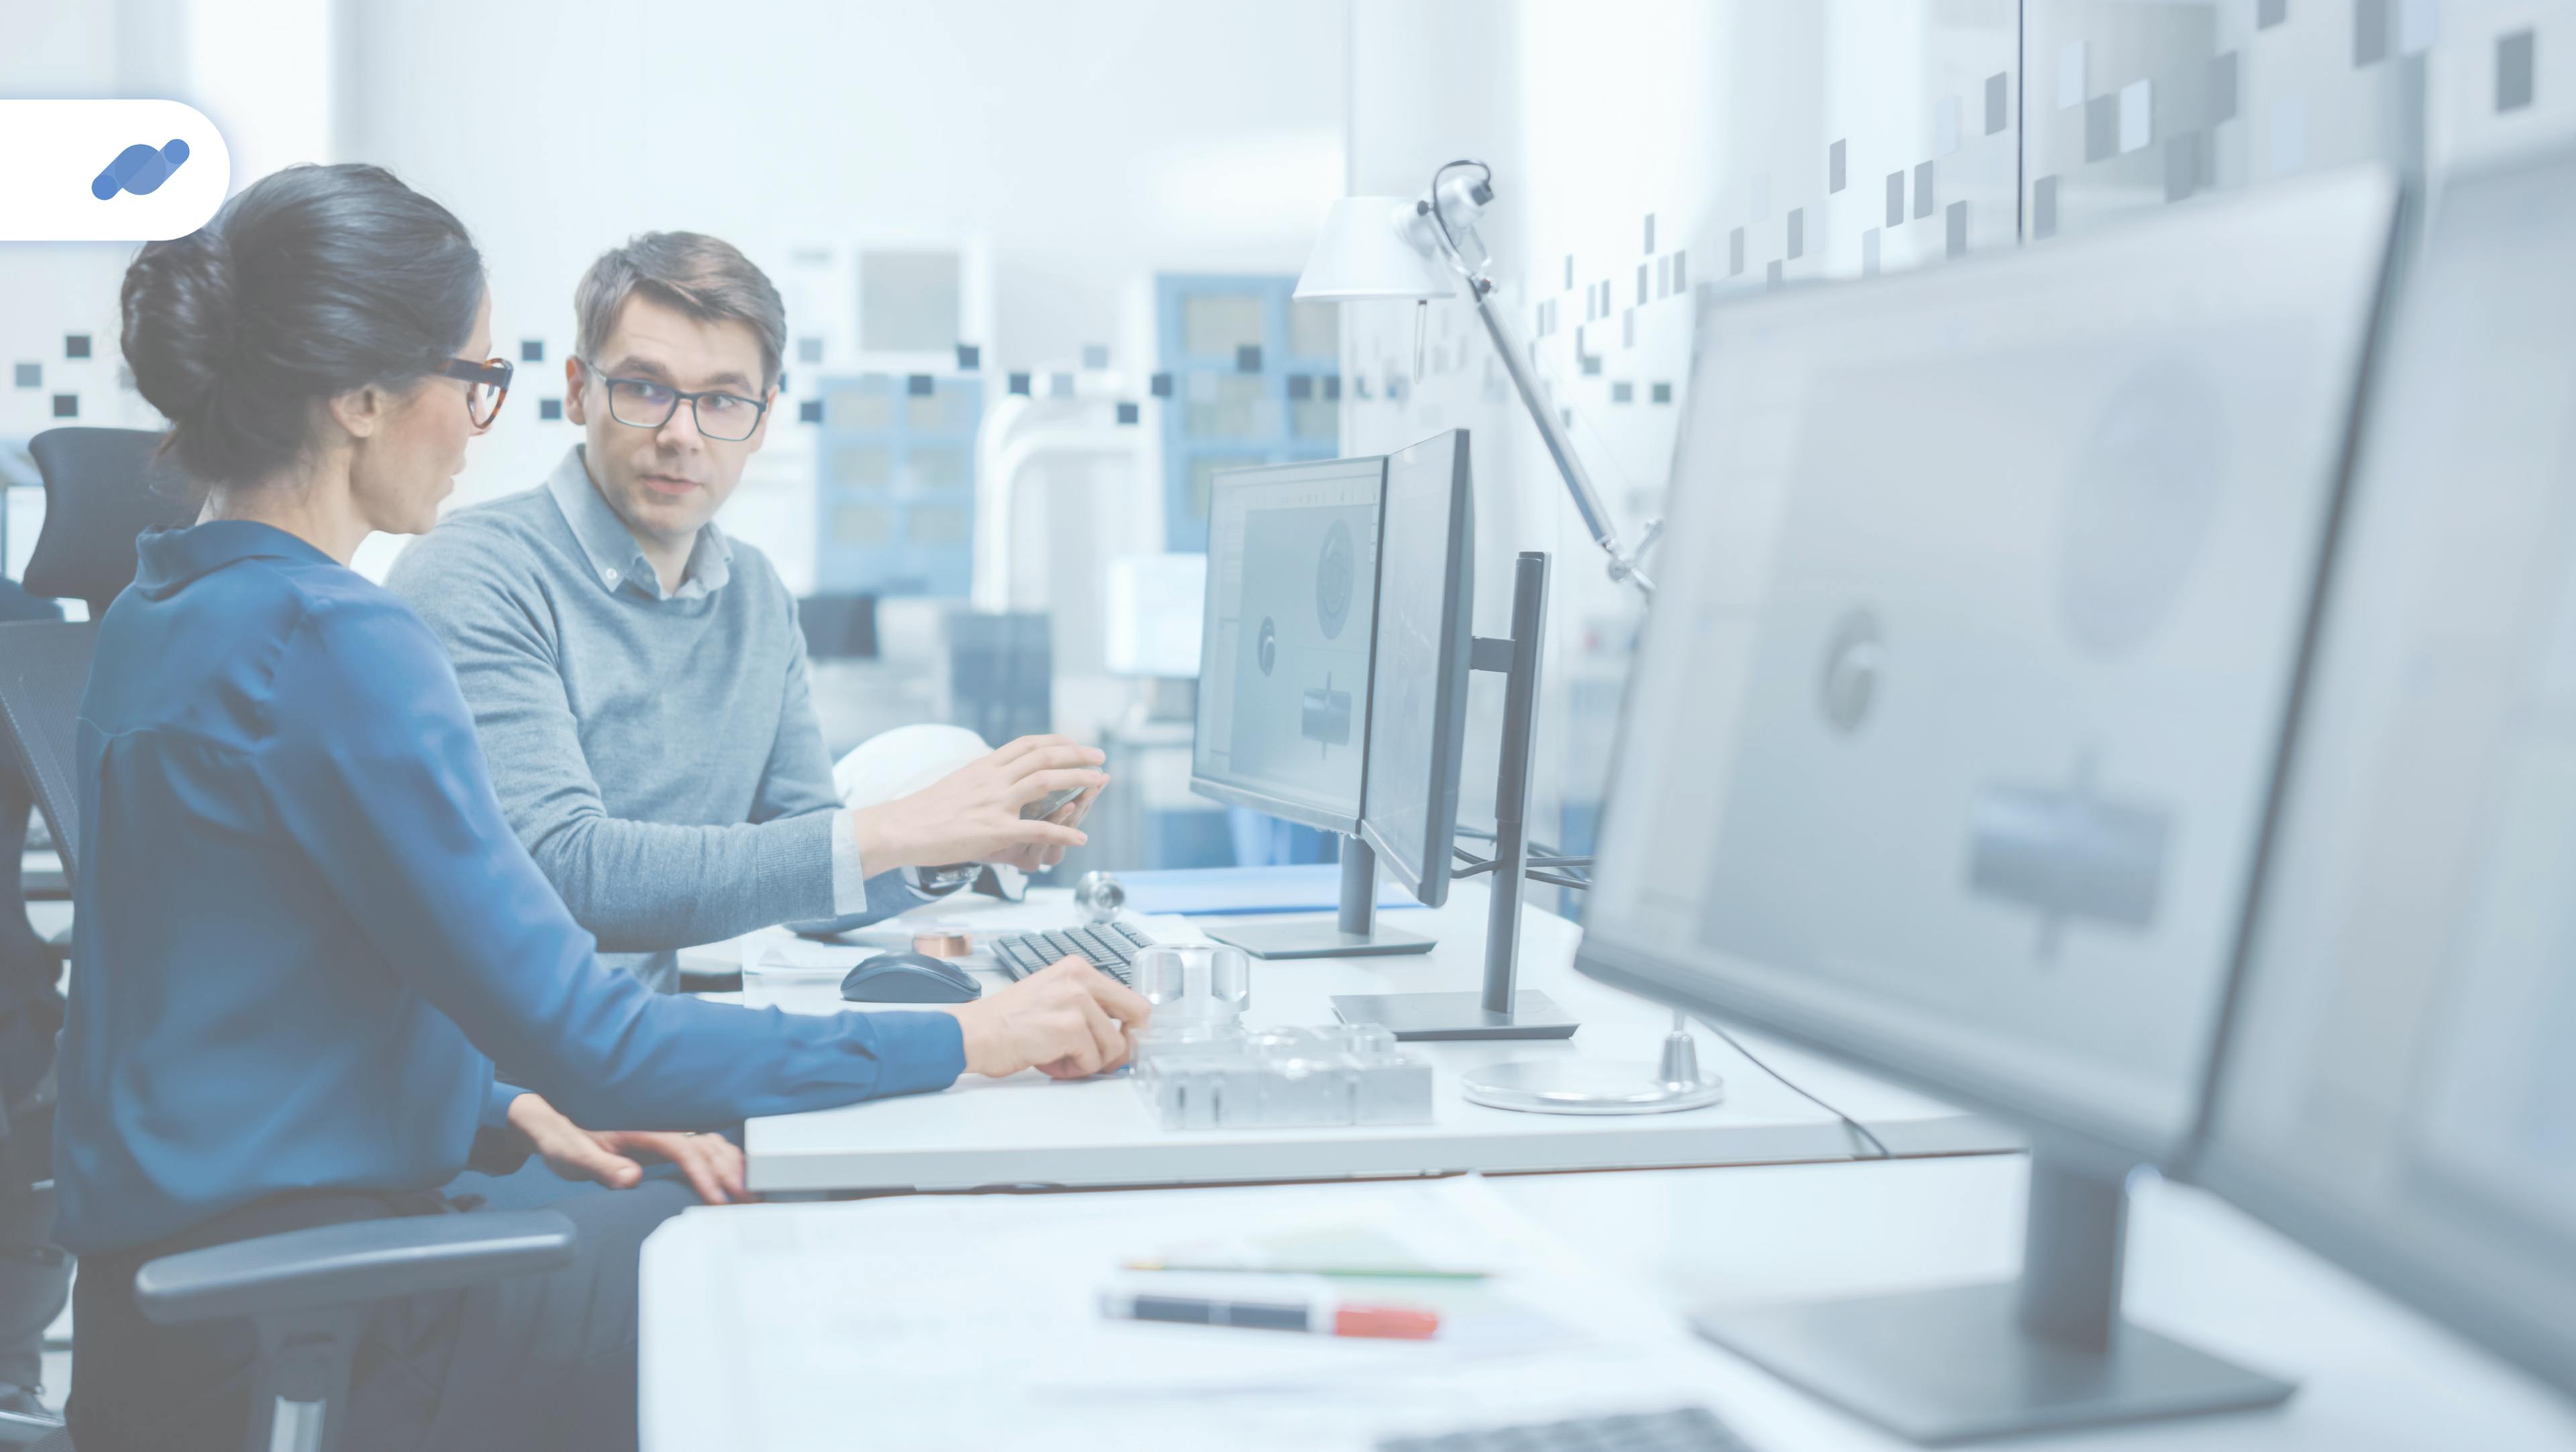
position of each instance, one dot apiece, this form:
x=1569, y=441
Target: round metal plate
x=1585, y=1086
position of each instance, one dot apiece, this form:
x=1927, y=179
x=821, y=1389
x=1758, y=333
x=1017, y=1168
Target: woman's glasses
x=486, y=384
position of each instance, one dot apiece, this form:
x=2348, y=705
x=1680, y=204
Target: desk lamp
x=1375, y=248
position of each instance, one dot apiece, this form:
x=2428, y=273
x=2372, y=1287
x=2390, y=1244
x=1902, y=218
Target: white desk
x=2372, y=1376
x=1030, y=1131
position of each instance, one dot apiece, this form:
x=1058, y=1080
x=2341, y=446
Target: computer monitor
x=1290, y=617
x=1425, y=639
x=1426, y=646
x=1951, y=737
x=1285, y=650
x=2397, y=1087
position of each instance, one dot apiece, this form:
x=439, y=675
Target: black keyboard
x=1684, y=1429
x=1109, y=947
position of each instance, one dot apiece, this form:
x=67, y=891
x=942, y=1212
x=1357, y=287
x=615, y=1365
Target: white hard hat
x=900, y=762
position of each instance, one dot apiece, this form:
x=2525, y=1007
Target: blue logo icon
x=139, y=169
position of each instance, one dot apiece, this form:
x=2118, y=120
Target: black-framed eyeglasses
x=643, y=403
x=486, y=384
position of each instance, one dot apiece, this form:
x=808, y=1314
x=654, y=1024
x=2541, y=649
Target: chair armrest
x=18, y=1429
x=357, y=1261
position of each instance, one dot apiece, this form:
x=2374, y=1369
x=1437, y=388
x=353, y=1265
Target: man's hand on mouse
x=973, y=813
x=1066, y=1020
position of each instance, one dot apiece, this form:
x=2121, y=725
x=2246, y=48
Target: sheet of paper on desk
x=1333, y=1248
x=974, y=1322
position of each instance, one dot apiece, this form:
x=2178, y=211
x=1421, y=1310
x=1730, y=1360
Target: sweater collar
x=616, y=561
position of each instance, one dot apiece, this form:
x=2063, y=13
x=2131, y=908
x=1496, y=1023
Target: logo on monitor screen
x=1333, y=580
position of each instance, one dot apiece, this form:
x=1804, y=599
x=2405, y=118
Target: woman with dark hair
x=306, y=931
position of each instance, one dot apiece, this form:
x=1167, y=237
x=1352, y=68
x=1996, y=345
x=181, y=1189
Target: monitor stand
x=1352, y=933
x=1498, y=1012
x=1964, y=1363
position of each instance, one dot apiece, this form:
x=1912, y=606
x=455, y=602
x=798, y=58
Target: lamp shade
x=1366, y=251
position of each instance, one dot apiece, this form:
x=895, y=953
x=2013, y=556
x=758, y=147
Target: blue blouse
x=306, y=930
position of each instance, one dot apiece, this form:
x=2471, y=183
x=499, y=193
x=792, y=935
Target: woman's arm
x=374, y=768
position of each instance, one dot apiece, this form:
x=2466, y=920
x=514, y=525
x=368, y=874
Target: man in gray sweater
x=639, y=679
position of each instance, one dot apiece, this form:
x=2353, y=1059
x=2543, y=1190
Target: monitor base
x=1412, y=1016
x=1314, y=937
x=1957, y=1365
x=1588, y=1086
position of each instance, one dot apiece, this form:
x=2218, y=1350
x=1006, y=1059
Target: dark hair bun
x=313, y=282
x=179, y=304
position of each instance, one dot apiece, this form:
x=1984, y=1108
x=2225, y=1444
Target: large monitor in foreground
x=1950, y=744
x=2398, y=1086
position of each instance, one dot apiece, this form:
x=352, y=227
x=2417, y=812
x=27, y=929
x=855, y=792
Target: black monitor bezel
x=1428, y=880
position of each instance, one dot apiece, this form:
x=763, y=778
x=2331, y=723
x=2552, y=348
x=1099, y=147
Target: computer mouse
x=909, y=978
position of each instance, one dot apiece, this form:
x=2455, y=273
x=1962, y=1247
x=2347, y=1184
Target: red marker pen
x=1318, y=1315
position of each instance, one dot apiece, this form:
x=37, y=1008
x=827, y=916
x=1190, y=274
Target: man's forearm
x=653, y=886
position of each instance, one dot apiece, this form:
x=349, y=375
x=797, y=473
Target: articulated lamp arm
x=1449, y=214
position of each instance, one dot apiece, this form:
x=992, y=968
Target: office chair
x=305, y=1292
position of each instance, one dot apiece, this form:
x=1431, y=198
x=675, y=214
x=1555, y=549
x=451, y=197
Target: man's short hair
x=705, y=277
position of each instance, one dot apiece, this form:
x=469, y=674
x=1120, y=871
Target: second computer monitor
x=2397, y=1090
x=1418, y=715
x=1291, y=614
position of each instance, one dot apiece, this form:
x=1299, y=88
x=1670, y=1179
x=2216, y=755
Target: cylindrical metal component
x=941, y=945
x=1198, y=990
x=297, y=1427
x=1099, y=896
x=1680, y=1067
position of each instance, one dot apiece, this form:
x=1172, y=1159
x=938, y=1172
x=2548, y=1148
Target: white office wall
x=1596, y=118
x=1720, y=117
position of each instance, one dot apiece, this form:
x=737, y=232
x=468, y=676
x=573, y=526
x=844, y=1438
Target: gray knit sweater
x=659, y=756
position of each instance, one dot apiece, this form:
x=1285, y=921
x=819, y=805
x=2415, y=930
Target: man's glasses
x=644, y=404
x=486, y=384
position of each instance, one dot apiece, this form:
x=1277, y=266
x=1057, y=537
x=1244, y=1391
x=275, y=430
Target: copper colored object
x=940, y=945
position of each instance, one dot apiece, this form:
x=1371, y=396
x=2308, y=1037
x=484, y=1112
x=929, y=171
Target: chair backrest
x=44, y=667
x=102, y=488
